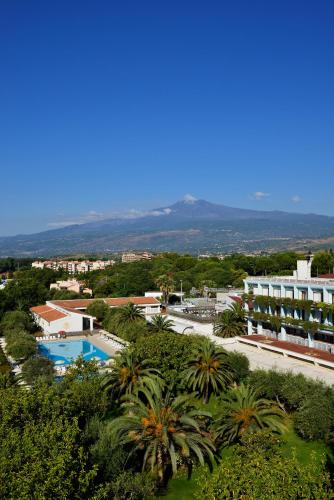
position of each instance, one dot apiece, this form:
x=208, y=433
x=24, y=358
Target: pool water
x=66, y=352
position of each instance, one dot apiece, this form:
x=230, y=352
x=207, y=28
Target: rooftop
x=292, y=280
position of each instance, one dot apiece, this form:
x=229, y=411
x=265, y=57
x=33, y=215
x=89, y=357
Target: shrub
x=315, y=419
x=239, y=366
x=291, y=390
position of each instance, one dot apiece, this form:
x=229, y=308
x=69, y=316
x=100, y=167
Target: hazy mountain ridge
x=186, y=226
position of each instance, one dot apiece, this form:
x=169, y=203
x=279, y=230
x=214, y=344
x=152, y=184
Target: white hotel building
x=297, y=308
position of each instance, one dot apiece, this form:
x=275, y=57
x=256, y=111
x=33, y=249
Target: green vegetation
x=207, y=372
x=231, y=322
x=171, y=407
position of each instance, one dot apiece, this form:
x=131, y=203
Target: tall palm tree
x=207, y=371
x=244, y=412
x=128, y=374
x=130, y=313
x=167, y=432
x=231, y=322
x=160, y=323
x=166, y=285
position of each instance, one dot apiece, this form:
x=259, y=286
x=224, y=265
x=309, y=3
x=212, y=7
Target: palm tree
x=207, y=371
x=244, y=412
x=130, y=313
x=231, y=322
x=128, y=374
x=167, y=432
x=160, y=323
x=166, y=285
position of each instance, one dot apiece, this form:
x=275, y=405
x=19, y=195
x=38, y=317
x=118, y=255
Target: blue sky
x=111, y=106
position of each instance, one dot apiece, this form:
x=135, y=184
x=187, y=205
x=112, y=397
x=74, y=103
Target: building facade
x=71, y=286
x=297, y=308
x=70, y=315
x=73, y=266
x=136, y=256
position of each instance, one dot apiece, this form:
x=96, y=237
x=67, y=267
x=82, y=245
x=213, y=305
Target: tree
x=244, y=412
x=231, y=322
x=207, y=370
x=16, y=320
x=257, y=470
x=166, y=432
x=98, y=309
x=166, y=285
x=22, y=347
x=169, y=353
x=36, y=368
x=128, y=373
x=130, y=313
x=160, y=323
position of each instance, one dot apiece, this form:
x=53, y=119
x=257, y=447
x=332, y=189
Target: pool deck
x=96, y=340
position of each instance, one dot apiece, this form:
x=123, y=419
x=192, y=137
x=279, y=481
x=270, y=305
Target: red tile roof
x=121, y=301
x=48, y=313
x=112, y=301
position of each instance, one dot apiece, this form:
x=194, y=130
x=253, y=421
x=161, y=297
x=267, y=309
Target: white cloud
x=260, y=195
x=189, y=198
x=93, y=216
x=296, y=199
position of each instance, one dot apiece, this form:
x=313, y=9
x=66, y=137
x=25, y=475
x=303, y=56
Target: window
x=303, y=295
x=317, y=296
x=265, y=291
x=289, y=293
x=277, y=292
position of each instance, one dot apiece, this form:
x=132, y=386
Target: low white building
x=53, y=320
x=70, y=316
x=158, y=295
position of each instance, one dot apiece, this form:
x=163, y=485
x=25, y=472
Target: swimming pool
x=67, y=351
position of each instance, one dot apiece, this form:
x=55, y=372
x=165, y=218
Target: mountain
x=189, y=225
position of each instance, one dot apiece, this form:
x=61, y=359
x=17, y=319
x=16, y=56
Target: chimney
x=304, y=268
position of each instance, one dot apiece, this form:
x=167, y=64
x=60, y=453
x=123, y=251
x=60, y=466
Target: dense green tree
x=207, y=370
x=315, y=419
x=99, y=309
x=288, y=389
x=169, y=352
x=22, y=347
x=40, y=458
x=259, y=471
x=15, y=320
x=36, y=368
x=166, y=432
x=238, y=365
x=244, y=412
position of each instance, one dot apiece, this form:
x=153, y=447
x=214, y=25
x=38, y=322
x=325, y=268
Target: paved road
x=257, y=359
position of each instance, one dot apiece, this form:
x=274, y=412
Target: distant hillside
x=186, y=226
